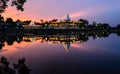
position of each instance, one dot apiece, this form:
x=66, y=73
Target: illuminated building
x=67, y=23
x=32, y=25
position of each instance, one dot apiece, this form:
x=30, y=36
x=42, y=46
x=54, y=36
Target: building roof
x=32, y=23
x=67, y=18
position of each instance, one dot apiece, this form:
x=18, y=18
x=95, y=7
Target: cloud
x=78, y=14
x=90, y=11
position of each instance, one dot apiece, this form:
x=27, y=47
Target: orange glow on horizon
x=11, y=49
x=26, y=15
x=15, y=15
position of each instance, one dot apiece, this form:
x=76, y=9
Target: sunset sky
x=93, y=10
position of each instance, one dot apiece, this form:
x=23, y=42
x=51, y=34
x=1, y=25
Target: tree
x=83, y=23
x=94, y=23
x=1, y=18
x=103, y=26
x=41, y=21
x=9, y=20
x=19, y=68
x=10, y=23
x=118, y=26
x=18, y=3
x=106, y=25
x=54, y=20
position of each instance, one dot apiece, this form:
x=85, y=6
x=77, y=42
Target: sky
x=104, y=11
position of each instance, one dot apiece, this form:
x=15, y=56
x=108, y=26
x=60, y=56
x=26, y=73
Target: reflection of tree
x=2, y=41
x=1, y=45
x=63, y=37
x=9, y=39
x=19, y=68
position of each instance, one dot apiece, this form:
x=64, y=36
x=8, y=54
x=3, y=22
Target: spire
x=67, y=18
x=32, y=23
x=67, y=46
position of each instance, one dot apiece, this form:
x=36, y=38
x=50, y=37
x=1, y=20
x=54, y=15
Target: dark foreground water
x=94, y=56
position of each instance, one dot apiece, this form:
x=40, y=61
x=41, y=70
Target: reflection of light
x=1, y=51
x=46, y=38
x=33, y=40
x=50, y=42
x=76, y=46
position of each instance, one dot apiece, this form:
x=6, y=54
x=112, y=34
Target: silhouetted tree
x=94, y=23
x=18, y=3
x=1, y=22
x=27, y=22
x=1, y=19
x=41, y=21
x=54, y=20
x=84, y=23
x=118, y=26
x=19, y=68
x=10, y=23
x=9, y=20
x=103, y=26
x=106, y=26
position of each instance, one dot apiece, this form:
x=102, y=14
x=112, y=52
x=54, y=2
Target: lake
x=65, y=54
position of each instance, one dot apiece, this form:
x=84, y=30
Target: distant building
x=32, y=25
x=67, y=18
x=67, y=23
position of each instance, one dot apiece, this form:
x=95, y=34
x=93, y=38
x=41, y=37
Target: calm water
x=88, y=56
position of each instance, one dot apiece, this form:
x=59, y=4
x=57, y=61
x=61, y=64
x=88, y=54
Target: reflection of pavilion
x=31, y=38
x=65, y=40
x=67, y=46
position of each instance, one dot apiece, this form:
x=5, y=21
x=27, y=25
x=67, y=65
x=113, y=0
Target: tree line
x=9, y=23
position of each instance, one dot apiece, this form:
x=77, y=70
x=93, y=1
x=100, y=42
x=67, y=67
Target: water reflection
x=101, y=57
x=65, y=39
